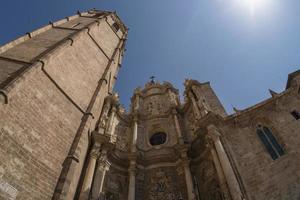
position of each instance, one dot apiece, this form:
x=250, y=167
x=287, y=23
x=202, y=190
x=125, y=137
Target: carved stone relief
x=164, y=184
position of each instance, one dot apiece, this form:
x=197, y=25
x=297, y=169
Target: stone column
x=188, y=180
x=131, y=187
x=87, y=182
x=230, y=176
x=196, y=108
x=134, y=134
x=132, y=157
x=99, y=177
x=177, y=126
x=137, y=102
x=219, y=170
x=187, y=173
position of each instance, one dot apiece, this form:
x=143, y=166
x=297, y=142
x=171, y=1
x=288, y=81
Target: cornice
x=260, y=105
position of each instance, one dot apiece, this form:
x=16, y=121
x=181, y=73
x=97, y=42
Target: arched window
x=158, y=138
x=270, y=142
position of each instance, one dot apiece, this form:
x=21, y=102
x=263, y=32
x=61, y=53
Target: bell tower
x=203, y=98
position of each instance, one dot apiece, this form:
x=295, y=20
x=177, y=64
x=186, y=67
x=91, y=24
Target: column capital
x=104, y=166
x=100, y=138
x=185, y=162
x=213, y=133
x=135, y=117
x=107, y=139
x=174, y=111
x=95, y=151
x=114, y=108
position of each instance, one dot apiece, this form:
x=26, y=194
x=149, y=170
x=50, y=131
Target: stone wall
x=53, y=82
x=263, y=177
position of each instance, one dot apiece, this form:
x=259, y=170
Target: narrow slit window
x=295, y=114
x=270, y=142
x=194, y=94
x=115, y=27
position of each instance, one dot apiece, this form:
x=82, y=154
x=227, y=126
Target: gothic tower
x=53, y=82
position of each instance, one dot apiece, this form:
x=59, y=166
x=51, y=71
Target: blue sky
x=243, y=47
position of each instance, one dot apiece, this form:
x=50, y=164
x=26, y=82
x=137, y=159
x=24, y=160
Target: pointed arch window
x=270, y=142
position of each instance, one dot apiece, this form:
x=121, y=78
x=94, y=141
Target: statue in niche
x=104, y=116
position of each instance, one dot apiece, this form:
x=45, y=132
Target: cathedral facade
x=64, y=134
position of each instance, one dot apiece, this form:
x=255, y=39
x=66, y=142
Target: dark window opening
x=295, y=114
x=75, y=25
x=194, y=95
x=115, y=27
x=158, y=138
x=270, y=142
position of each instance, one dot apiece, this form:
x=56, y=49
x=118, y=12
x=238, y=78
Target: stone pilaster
x=188, y=175
x=177, y=126
x=87, y=183
x=102, y=167
x=134, y=134
x=195, y=105
x=221, y=177
x=132, y=173
x=230, y=176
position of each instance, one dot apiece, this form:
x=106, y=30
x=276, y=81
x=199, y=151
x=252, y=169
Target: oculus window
x=158, y=138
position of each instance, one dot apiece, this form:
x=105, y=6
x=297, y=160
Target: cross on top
x=152, y=79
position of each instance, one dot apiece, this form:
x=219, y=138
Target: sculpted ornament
x=95, y=152
x=104, y=117
x=161, y=187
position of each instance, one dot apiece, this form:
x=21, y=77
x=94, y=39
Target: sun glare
x=254, y=6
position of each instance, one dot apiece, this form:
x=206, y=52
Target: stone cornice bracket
x=29, y=34
x=237, y=111
x=51, y=23
x=273, y=94
x=71, y=157
x=103, y=79
x=3, y=97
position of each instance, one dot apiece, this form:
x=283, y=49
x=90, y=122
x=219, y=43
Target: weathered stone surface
x=46, y=106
